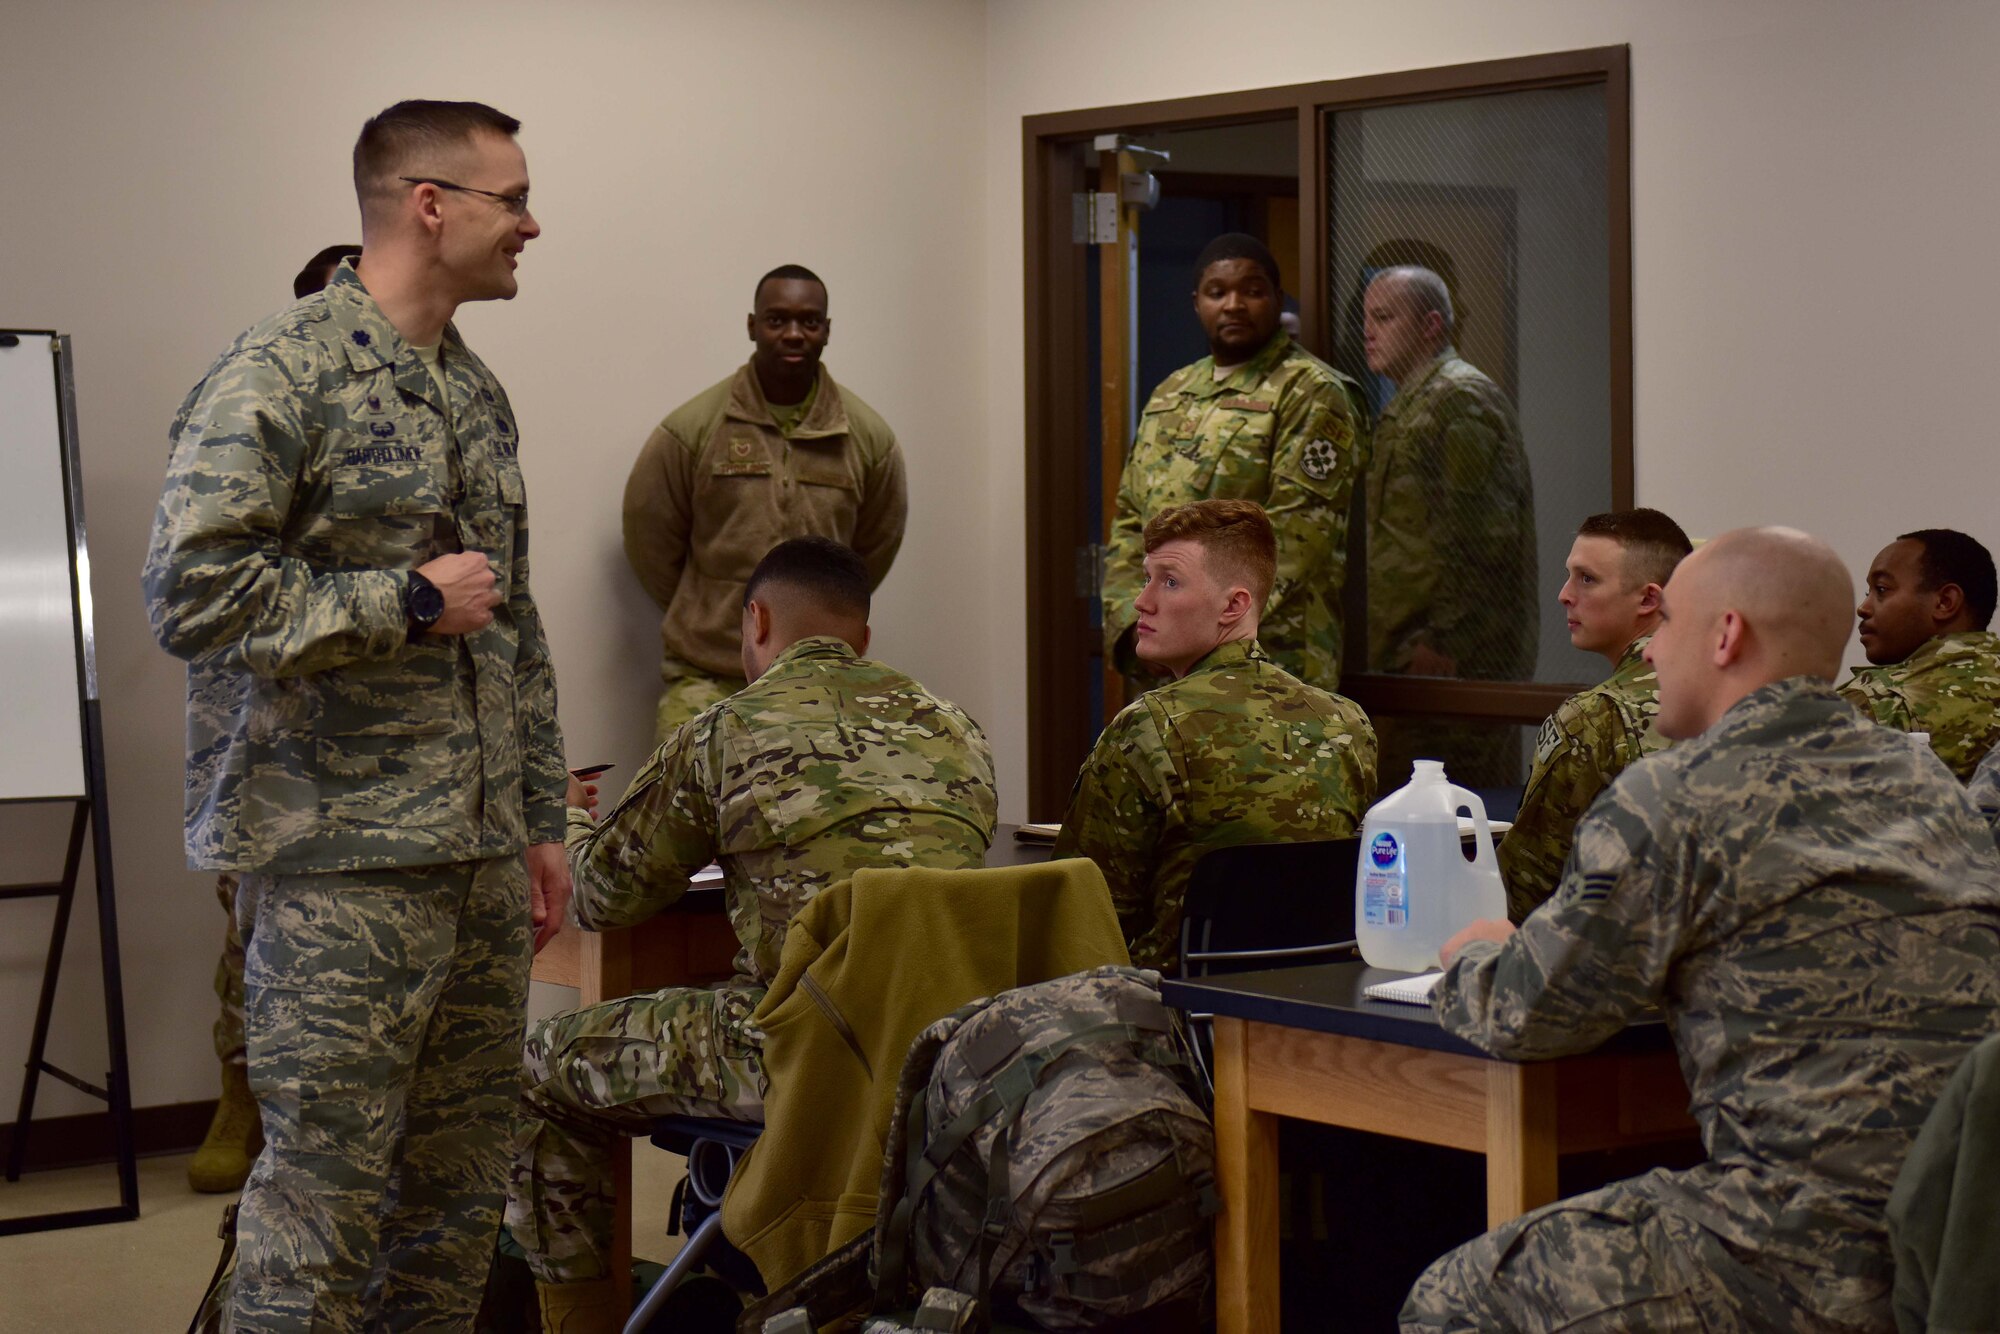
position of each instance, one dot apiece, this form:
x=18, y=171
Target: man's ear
x=1434, y=326
x=750, y=326
x=1948, y=603
x=759, y=617
x=1649, y=599
x=1239, y=605
x=1731, y=639
x=861, y=648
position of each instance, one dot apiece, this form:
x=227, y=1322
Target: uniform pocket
x=387, y=479
x=389, y=779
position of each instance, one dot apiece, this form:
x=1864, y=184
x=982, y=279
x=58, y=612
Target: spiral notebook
x=1412, y=990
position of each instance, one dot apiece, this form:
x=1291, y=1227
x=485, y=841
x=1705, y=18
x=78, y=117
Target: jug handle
x=1482, y=842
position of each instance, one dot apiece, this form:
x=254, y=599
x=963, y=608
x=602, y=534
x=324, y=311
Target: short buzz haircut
x=1234, y=535
x=1951, y=557
x=831, y=573
x=1426, y=291
x=318, y=271
x=798, y=271
x=1654, y=544
x=402, y=137
x=1238, y=245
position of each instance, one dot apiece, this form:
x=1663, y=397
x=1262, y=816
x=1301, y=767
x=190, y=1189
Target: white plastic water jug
x=1414, y=888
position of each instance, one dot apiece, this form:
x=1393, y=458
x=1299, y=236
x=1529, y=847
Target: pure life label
x=1385, y=888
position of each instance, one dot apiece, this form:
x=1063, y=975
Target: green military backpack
x=1049, y=1162
x=1050, y=1154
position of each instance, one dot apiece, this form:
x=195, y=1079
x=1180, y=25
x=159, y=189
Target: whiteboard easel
x=51, y=734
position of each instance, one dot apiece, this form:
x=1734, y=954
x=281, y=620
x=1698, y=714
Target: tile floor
x=147, y=1275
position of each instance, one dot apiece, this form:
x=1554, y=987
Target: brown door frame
x=1060, y=526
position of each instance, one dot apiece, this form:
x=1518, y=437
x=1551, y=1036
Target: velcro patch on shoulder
x=1319, y=459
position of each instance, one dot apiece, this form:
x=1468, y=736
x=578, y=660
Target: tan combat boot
x=235, y=1138
x=581, y=1308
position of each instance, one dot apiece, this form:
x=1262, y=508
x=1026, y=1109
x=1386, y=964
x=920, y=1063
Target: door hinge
x=1093, y=218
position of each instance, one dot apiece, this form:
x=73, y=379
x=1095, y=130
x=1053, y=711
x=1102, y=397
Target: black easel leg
x=51, y=969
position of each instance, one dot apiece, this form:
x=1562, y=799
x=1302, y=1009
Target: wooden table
x=689, y=945
x=1305, y=1043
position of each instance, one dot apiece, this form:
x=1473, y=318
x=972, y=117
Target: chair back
x=1268, y=905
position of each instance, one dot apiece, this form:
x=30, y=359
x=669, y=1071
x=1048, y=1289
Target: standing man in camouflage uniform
x=1234, y=749
x=826, y=763
x=1815, y=909
x=1261, y=419
x=341, y=554
x=234, y=1138
x=777, y=450
x=1451, y=529
x=1617, y=567
x=1936, y=666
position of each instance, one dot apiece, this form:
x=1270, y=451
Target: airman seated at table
x=1935, y=667
x=1617, y=567
x=1813, y=906
x=824, y=764
x=1234, y=749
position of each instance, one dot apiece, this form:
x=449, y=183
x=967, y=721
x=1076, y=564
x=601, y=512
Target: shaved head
x=1793, y=590
x=1751, y=607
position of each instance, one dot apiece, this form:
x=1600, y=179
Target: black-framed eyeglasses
x=515, y=204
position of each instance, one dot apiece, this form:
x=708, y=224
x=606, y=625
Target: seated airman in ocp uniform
x=1617, y=567
x=824, y=764
x=1234, y=749
x=1934, y=666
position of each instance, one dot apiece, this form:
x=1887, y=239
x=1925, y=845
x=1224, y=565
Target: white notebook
x=1412, y=990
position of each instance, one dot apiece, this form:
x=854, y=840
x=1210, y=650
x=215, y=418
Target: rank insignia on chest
x=1318, y=460
x=361, y=338
x=739, y=448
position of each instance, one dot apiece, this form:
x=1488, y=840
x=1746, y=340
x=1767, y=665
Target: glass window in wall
x=1469, y=267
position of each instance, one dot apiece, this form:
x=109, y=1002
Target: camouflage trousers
x=688, y=693
x=229, y=978
x=1612, y=1260
x=383, y=1016
x=598, y=1074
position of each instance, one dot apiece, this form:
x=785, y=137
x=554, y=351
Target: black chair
x=1267, y=905
x=712, y=1147
x=1262, y=905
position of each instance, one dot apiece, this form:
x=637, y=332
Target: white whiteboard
x=41, y=719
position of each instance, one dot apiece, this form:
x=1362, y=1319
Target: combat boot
x=235, y=1138
x=581, y=1308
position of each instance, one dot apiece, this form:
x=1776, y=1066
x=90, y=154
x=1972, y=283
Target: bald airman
x=1786, y=869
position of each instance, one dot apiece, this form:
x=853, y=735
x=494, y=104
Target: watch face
x=426, y=604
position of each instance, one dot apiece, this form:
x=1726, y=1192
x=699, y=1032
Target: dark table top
x=1010, y=851
x=1326, y=998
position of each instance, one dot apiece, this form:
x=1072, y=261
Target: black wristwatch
x=422, y=603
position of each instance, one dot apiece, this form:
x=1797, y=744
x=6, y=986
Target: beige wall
x=166, y=168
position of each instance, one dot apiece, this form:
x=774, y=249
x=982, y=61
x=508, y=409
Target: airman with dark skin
x=1258, y=419
x=776, y=451
x=791, y=329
